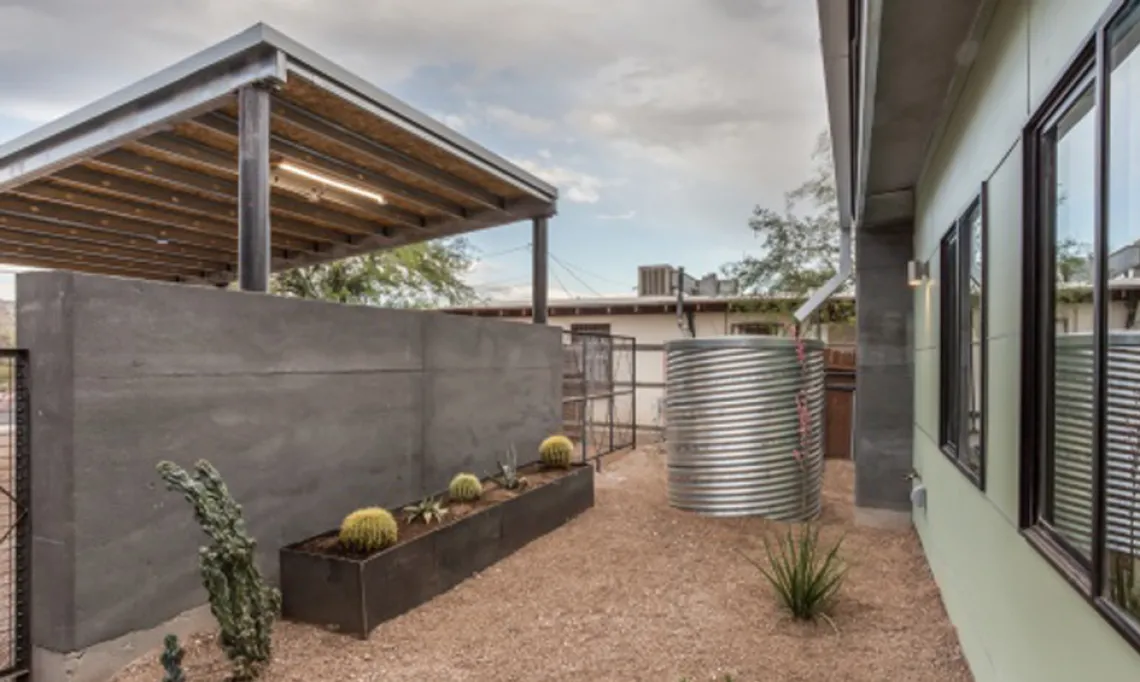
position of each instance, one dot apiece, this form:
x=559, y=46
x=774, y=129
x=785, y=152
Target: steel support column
x=253, y=188
x=539, y=284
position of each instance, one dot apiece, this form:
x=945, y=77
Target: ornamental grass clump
x=244, y=605
x=805, y=576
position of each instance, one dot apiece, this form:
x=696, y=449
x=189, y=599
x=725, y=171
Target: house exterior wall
x=1017, y=618
x=308, y=409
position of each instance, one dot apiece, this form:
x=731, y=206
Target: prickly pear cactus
x=244, y=605
x=171, y=660
x=368, y=530
x=465, y=488
x=556, y=452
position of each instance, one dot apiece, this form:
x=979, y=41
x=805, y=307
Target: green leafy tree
x=423, y=275
x=799, y=248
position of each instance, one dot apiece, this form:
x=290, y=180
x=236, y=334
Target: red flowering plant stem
x=800, y=453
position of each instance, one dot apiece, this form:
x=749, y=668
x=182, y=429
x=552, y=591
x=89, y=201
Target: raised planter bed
x=322, y=585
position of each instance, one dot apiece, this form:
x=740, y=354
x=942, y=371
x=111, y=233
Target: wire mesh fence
x=15, y=522
x=599, y=397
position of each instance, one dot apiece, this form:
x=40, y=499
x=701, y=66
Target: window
x=755, y=329
x=1080, y=468
x=595, y=328
x=962, y=354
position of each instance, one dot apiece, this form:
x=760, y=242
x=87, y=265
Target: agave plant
x=805, y=577
x=427, y=510
x=508, y=476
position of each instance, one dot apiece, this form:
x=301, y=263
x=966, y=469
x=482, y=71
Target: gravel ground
x=634, y=590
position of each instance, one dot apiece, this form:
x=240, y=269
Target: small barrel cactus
x=556, y=452
x=368, y=530
x=465, y=488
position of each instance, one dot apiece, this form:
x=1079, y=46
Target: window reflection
x=1122, y=370
x=975, y=406
x=1070, y=189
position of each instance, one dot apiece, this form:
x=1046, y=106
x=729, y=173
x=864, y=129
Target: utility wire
x=589, y=288
x=569, y=265
x=505, y=252
x=561, y=285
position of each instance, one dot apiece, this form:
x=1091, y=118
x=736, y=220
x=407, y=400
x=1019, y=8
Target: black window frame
x=1087, y=576
x=955, y=340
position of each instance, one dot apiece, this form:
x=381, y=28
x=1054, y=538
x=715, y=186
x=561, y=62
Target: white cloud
x=576, y=186
x=628, y=215
x=453, y=121
x=727, y=93
x=518, y=121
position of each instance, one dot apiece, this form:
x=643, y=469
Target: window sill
x=974, y=477
x=1059, y=558
x=1077, y=576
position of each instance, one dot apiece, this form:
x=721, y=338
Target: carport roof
x=144, y=182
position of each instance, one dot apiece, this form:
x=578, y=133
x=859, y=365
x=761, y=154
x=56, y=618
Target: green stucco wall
x=1018, y=620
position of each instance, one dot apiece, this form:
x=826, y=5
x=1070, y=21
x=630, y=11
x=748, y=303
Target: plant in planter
x=508, y=476
x=556, y=452
x=376, y=567
x=465, y=488
x=426, y=511
x=368, y=530
x=244, y=605
x=171, y=660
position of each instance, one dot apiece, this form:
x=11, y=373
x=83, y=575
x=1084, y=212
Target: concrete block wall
x=309, y=410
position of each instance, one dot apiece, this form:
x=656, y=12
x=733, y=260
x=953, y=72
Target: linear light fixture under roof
x=331, y=182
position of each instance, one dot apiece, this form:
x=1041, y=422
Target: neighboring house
x=971, y=143
x=651, y=318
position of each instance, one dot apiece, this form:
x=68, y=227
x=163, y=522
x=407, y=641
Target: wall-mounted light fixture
x=331, y=182
x=917, y=272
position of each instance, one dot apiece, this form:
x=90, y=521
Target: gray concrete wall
x=884, y=396
x=309, y=410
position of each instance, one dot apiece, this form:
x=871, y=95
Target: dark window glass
x=1122, y=364
x=1068, y=211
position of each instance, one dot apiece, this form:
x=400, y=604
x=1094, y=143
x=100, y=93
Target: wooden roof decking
x=144, y=183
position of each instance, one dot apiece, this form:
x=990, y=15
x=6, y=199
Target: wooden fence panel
x=839, y=404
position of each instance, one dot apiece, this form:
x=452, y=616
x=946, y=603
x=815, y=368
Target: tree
x=423, y=275
x=800, y=245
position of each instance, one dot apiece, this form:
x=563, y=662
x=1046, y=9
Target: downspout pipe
x=849, y=141
x=842, y=274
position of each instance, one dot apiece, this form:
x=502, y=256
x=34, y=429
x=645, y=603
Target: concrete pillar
x=253, y=188
x=539, y=279
x=884, y=398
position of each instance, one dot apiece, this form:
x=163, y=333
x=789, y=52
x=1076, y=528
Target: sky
x=662, y=123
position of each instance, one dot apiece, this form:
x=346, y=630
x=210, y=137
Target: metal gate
x=15, y=517
x=599, y=399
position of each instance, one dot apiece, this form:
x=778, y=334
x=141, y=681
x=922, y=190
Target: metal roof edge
x=221, y=53
x=252, y=40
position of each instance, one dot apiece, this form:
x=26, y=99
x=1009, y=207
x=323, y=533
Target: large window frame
x=958, y=412
x=1089, y=67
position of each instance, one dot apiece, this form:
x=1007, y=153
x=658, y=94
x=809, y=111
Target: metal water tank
x=1072, y=440
x=733, y=426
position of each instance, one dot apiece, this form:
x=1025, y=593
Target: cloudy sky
x=662, y=123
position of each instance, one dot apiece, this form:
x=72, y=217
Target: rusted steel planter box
x=353, y=596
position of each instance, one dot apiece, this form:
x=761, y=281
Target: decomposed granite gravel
x=636, y=591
